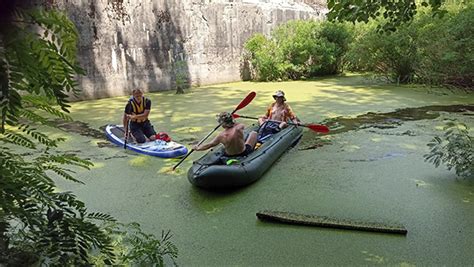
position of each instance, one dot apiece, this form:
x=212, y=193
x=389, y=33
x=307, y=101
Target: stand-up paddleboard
x=157, y=148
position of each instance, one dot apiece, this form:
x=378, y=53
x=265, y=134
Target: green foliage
x=38, y=68
x=38, y=223
x=429, y=50
x=297, y=50
x=134, y=247
x=393, y=56
x=54, y=225
x=395, y=13
x=445, y=48
x=263, y=57
x=455, y=149
x=181, y=76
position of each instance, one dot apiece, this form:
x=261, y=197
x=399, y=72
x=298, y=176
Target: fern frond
x=17, y=139
x=65, y=159
x=33, y=117
x=40, y=137
x=38, y=68
x=61, y=171
x=101, y=217
x=40, y=103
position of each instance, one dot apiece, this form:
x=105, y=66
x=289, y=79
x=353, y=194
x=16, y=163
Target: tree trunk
x=3, y=241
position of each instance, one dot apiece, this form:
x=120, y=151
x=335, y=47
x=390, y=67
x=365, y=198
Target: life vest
x=138, y=108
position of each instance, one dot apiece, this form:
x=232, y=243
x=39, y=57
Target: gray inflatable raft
x=211, y=172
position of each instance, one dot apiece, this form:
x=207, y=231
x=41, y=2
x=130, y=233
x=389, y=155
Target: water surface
x=370, y=168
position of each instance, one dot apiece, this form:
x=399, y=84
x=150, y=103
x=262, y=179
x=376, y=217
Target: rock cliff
x=153, y=43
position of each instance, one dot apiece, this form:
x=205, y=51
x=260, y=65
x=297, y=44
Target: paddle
x=319, y=128
x=127, y=133
x=242, y=104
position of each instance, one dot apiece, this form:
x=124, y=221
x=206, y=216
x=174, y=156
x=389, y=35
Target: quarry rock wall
x=152, y=44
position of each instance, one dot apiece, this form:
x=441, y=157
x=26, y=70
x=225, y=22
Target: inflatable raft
x=157, y=148
x=214, y=171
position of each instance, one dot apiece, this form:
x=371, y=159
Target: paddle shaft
x=314, y=127
x=241, y=105
x=255, y=118
x=192, y=150
x=127, y=133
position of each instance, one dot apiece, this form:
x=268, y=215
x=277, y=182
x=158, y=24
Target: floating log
x=322, y=221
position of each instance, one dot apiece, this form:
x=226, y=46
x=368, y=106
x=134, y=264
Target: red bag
x=163, y=136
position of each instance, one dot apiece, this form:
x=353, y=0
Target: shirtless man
x=232, y=138
x=279, y=111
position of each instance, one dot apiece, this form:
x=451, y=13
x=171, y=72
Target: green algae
x=387, y=120
x=369, y=173
x=392, y=119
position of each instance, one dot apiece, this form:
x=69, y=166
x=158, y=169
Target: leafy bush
x=393, y=56
x=263, y=57
x=180, y=70
x=341, y=36
x=396, y=13
x=455, y=149
x=134, y=247
x=38, y=67
x=38, y=223
x=297, y=49
x=445, y=48
x=431, y=50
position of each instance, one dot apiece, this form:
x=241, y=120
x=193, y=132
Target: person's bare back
x=233, y=139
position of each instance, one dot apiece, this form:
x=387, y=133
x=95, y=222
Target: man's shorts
x=268, y=128
x=248, y=150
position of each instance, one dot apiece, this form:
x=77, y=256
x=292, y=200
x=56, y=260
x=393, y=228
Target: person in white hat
x=279, y=111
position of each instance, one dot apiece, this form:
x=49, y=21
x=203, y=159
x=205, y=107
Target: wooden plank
x=322, y=221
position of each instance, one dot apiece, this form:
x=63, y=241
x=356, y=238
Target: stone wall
x=148, y=43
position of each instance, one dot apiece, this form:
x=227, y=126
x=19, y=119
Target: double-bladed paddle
x=242, y=104
x=320, y=128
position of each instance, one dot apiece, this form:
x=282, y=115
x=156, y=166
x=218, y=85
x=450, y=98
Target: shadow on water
x=337, y=125
x=212, y=201
x=79, y=127
x=218, y=193
x=383, y=121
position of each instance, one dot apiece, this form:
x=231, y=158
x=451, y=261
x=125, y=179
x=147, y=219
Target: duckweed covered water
x=392, y=119
x=368, y=173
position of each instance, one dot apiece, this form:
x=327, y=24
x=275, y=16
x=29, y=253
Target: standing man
x=137, y=111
